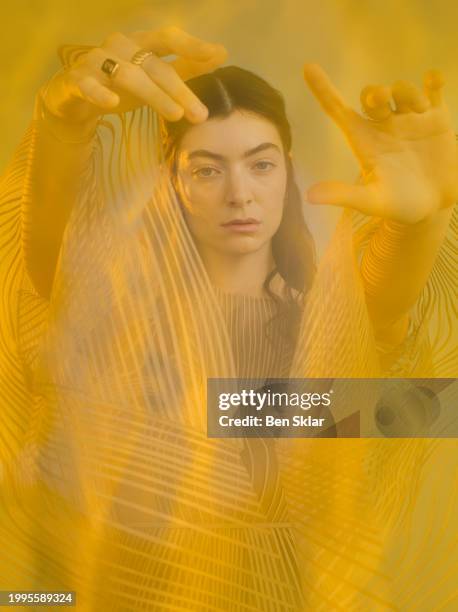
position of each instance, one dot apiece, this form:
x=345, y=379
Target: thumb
x=336, y=193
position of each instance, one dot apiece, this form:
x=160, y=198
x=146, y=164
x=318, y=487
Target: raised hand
x=405, y=145
x=84, y=91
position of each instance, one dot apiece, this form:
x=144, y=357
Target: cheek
x=275, y=201
x=199, y=201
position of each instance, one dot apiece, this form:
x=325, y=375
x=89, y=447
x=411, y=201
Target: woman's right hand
x=78, y=95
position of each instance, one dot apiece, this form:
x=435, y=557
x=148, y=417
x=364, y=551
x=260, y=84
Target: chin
x=242, y=244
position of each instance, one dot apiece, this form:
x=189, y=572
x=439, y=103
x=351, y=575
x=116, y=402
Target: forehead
x=230, y=136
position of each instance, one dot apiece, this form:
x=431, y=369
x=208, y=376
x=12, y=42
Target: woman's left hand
x=406, y=147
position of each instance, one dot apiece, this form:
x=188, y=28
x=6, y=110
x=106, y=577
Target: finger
x=88, y=88
x=134, y=80
x=164, y=75
x=173, y=40
x=375, y=102
x=336, y=193
x=408, y=98
x=433, y=84
x=188, y=69
x=327, y=95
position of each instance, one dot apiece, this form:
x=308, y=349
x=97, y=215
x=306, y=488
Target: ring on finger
x=110, y=67
x=140, y=56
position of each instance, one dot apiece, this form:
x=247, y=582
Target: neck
x=242, y=273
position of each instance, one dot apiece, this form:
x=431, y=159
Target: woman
x=160, y=515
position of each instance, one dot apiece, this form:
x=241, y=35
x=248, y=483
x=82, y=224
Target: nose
x=238, y=189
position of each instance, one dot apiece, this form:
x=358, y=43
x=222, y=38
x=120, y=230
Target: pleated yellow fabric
x=110, y=484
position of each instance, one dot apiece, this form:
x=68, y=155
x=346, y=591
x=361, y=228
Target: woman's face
x=231, y=170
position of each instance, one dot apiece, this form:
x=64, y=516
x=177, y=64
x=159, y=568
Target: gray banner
x=37, y=598
x=332, y=407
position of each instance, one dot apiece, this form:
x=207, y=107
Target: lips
x=248, y=221
x=242, y=226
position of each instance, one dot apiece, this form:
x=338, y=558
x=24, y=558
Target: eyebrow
x=204, y=153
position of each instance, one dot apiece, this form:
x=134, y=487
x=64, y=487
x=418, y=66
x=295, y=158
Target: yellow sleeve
x=430, y=346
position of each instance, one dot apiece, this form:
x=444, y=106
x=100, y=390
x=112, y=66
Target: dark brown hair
x=223, y=91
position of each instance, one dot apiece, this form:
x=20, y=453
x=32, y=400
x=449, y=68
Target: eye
x=205, y=172
x=263, y=165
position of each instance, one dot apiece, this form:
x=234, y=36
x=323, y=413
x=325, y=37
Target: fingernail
x=199, y=111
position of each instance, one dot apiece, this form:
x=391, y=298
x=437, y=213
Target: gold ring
x=140, y=56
